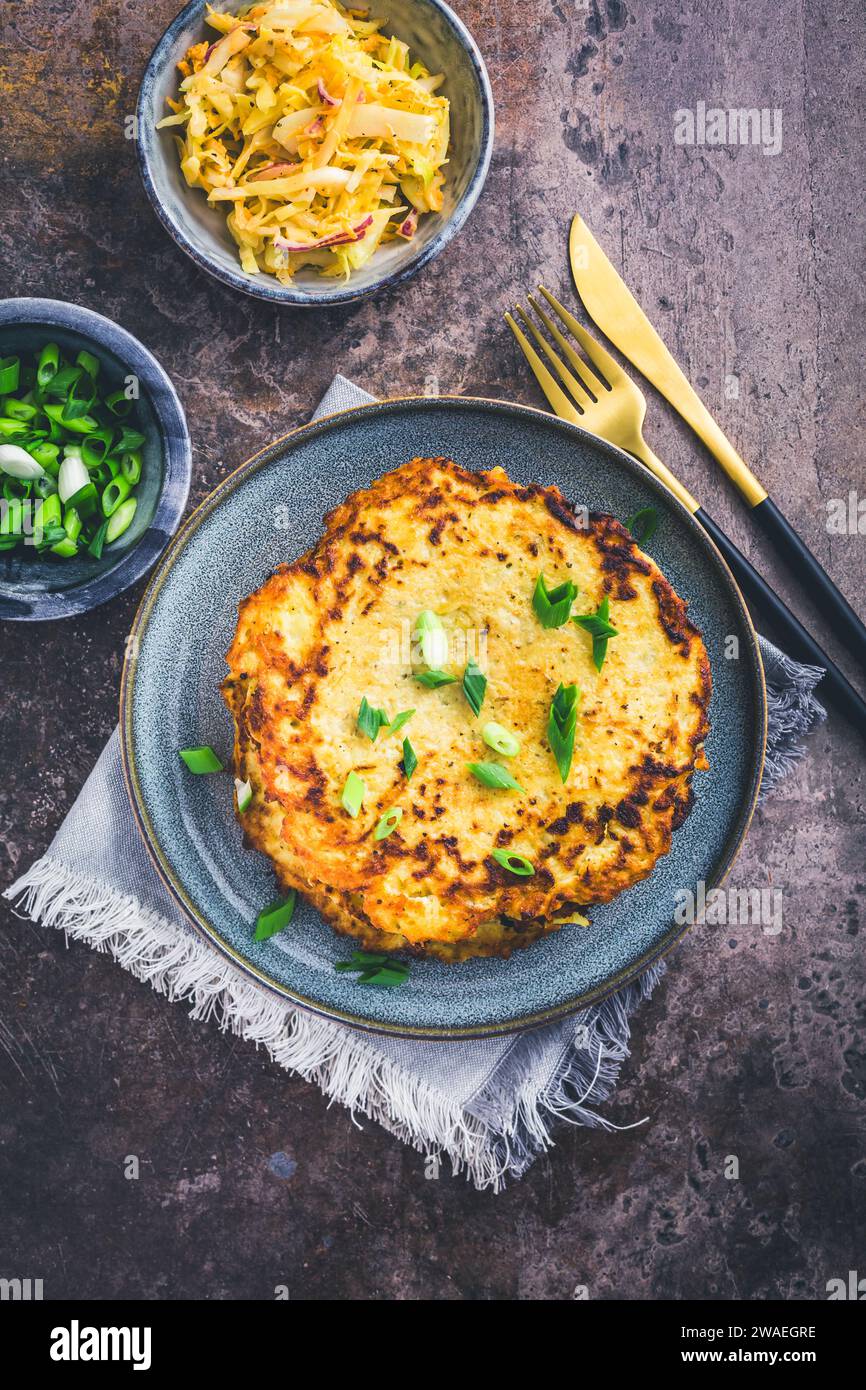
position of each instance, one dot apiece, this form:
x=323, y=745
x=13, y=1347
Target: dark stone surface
x=754, y=1046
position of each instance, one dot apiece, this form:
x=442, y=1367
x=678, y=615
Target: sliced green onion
x=49, y=361
x=130, y=467
x=121, y=520
x=474, y=686
x=244, y=793
x=46, y=453
x=399, y=721
x=201, y=760
x=95, y=546
x=119, y=403
x=12, y=518
x=12, y=429
x=17, y=487
x=553, y=606
x=95, y=447
x=514, y=863
x=72, y=527
x=45, y=486
x=388, y=823
x=410, y=760
x=116, y=492
x=353, y=794
x=644, y=524
x=561, y=726
x=374, y=969
x=88, y=363
x=20, y=410
x=85, y=500
x=19, y=463
x=598, y=626
x=44, y=406
x=73, y=476
x=129, y=440
x=82, y=424
x=495, y=776
x=433, y=679
x=48, y=515
x=62, y=380
x=10, y=370
x=500, y=740
x=369, y=720
x=433, y=638
x=276, y=917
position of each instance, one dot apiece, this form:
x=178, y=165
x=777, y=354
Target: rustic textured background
x=753, y=268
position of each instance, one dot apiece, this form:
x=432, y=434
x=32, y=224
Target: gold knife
x=612, y=306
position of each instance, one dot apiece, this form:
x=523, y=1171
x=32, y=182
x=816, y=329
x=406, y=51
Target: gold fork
x=607, y=402
x=609, y=405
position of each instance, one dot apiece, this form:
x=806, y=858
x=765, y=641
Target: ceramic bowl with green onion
x=95, y=459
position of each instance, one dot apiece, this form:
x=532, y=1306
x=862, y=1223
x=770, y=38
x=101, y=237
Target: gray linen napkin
x=489, y=1106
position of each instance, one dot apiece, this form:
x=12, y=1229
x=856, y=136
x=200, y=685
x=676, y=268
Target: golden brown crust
x=315, y=638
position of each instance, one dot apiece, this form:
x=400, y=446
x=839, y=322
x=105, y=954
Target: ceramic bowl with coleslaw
x=308, y=152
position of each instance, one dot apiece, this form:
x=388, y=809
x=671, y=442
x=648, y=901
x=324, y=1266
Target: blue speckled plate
x=170, y=699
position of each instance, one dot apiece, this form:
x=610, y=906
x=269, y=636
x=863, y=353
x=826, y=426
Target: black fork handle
x=840, y=616
x=798, y=642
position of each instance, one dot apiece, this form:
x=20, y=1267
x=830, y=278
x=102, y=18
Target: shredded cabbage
x=315, y=132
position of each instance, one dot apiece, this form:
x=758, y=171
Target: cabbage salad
x=317, y=134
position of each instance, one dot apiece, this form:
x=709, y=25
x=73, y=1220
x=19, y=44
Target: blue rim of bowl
x=176, y=458
x=275, y=293
x=208, y=933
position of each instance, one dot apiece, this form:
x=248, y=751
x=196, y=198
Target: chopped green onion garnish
x=121, y=520
x=500, y=740
x=374, y=969
x=644, y=524
x=371, y=720
x=433, y=638
x=474, y=686
x=494, y=775
x=274, y=918
x=561, y=725
x=201, y=760
x=389, y=822
x=514, y=863
x=244, y=793
x=410, y=761
x=353, y=794
x=600, y=630
x=399, y=721
x=553, y=606
x=433, y=679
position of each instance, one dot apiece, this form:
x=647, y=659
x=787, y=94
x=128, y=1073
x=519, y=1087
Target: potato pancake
x=338, y=626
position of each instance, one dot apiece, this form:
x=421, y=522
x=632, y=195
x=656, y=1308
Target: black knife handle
x=839, y=614
x=797, y=641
